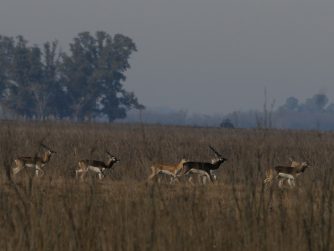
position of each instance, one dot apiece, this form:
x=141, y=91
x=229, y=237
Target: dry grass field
x=124, y=212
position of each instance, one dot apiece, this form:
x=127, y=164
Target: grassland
x=123, y=212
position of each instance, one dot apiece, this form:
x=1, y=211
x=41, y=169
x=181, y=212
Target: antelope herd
x=185, y=168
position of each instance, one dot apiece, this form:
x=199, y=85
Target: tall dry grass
x=123, y=212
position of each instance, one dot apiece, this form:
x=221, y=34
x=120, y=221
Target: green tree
x=6, y=57
x=76, y=72
x=83, y=84
x=28, y=77
x=55, y=102
x=93, y=74
x=227, y=123
x=316, y=104
x=291, y=104
x=17, y=95
x=113, y=63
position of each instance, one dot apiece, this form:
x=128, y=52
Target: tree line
x=314, y=113
x=84, y=83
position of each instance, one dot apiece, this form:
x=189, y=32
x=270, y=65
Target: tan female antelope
x=171, y=170
x=35, y=162
x=95, y=166
x=288, y=173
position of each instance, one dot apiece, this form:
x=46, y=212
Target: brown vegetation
x=123, y=212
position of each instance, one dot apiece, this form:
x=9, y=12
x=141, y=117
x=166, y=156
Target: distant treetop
x=84, y=84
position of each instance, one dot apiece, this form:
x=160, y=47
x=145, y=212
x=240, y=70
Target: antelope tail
x=153, y=173
x=269, y=176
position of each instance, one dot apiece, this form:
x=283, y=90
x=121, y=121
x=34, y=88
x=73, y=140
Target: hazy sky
x=205, y=56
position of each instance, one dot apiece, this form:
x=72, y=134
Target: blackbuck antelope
x=95, y=166
x=171, y=170
x=35, y=162
x=286, y=173
x=204, y=168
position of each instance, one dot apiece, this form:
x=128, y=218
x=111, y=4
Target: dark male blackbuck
x=204, y=168
x=36, y=162
x=286, y=173
x=95, y=166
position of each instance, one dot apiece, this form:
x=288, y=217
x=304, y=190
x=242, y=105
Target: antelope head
x=48, y=149
x=305, y=164
x=219, y=155
x=112, y=157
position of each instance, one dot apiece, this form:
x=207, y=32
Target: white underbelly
x=30, y=165
x=95, y=169
x=197, y=171
x=286, y=176
x=166, y=172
